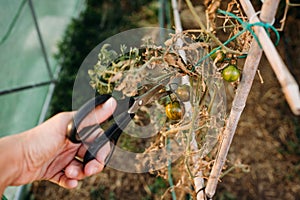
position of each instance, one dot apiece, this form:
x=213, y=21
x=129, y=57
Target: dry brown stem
x=202, y=27
x=198, y=180
x=283, y=20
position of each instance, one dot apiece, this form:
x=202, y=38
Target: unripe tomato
x=219, y=55
x=183, y=92
x=231, y=73
x=174, y=110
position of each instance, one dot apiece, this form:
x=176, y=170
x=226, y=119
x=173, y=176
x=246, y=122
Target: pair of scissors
x=123, y=114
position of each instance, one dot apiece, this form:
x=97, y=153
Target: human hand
x=47, y=154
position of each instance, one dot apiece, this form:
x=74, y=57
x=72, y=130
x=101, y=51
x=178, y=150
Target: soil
x=266, y=142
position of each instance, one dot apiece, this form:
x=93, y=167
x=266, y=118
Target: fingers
x=95, y=166
x=62, y=180
x=75, y=169
x=99, y=114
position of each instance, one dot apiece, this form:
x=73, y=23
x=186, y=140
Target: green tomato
x=231, y=73
x=174, y=110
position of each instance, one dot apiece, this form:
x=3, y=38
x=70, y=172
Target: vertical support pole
x=40, y=39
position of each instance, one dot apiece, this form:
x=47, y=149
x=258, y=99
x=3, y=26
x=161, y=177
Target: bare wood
x=177, y=21
x=266, y=13
x=238, y=105
x=289, y=85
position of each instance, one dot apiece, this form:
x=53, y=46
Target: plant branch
x=197, y=178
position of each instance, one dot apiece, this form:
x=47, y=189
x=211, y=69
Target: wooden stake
x=289, y=85
x=238, y=105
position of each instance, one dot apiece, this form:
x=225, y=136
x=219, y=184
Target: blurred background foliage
x=100, y=20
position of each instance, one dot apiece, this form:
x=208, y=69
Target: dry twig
x=287, y=6
x=211, y=35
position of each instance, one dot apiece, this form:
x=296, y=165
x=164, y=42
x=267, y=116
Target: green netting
x=22, y=60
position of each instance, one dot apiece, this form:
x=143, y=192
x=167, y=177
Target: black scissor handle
x=76, y=137
x=112, y=134
x=84, y=110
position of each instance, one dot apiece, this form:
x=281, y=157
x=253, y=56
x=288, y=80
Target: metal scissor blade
x=145, y=98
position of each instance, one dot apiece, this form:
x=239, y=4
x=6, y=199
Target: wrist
x=11, y=151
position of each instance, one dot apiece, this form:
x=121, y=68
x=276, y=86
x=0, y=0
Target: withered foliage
x=133, y=71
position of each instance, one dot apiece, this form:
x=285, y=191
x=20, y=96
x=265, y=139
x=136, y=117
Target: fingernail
x=92, y=170
x=73, y=173
x=73, y=183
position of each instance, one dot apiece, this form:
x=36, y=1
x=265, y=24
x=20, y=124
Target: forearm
x=10, y=148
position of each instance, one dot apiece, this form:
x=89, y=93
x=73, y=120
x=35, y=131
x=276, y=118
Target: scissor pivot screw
x=140, y=102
